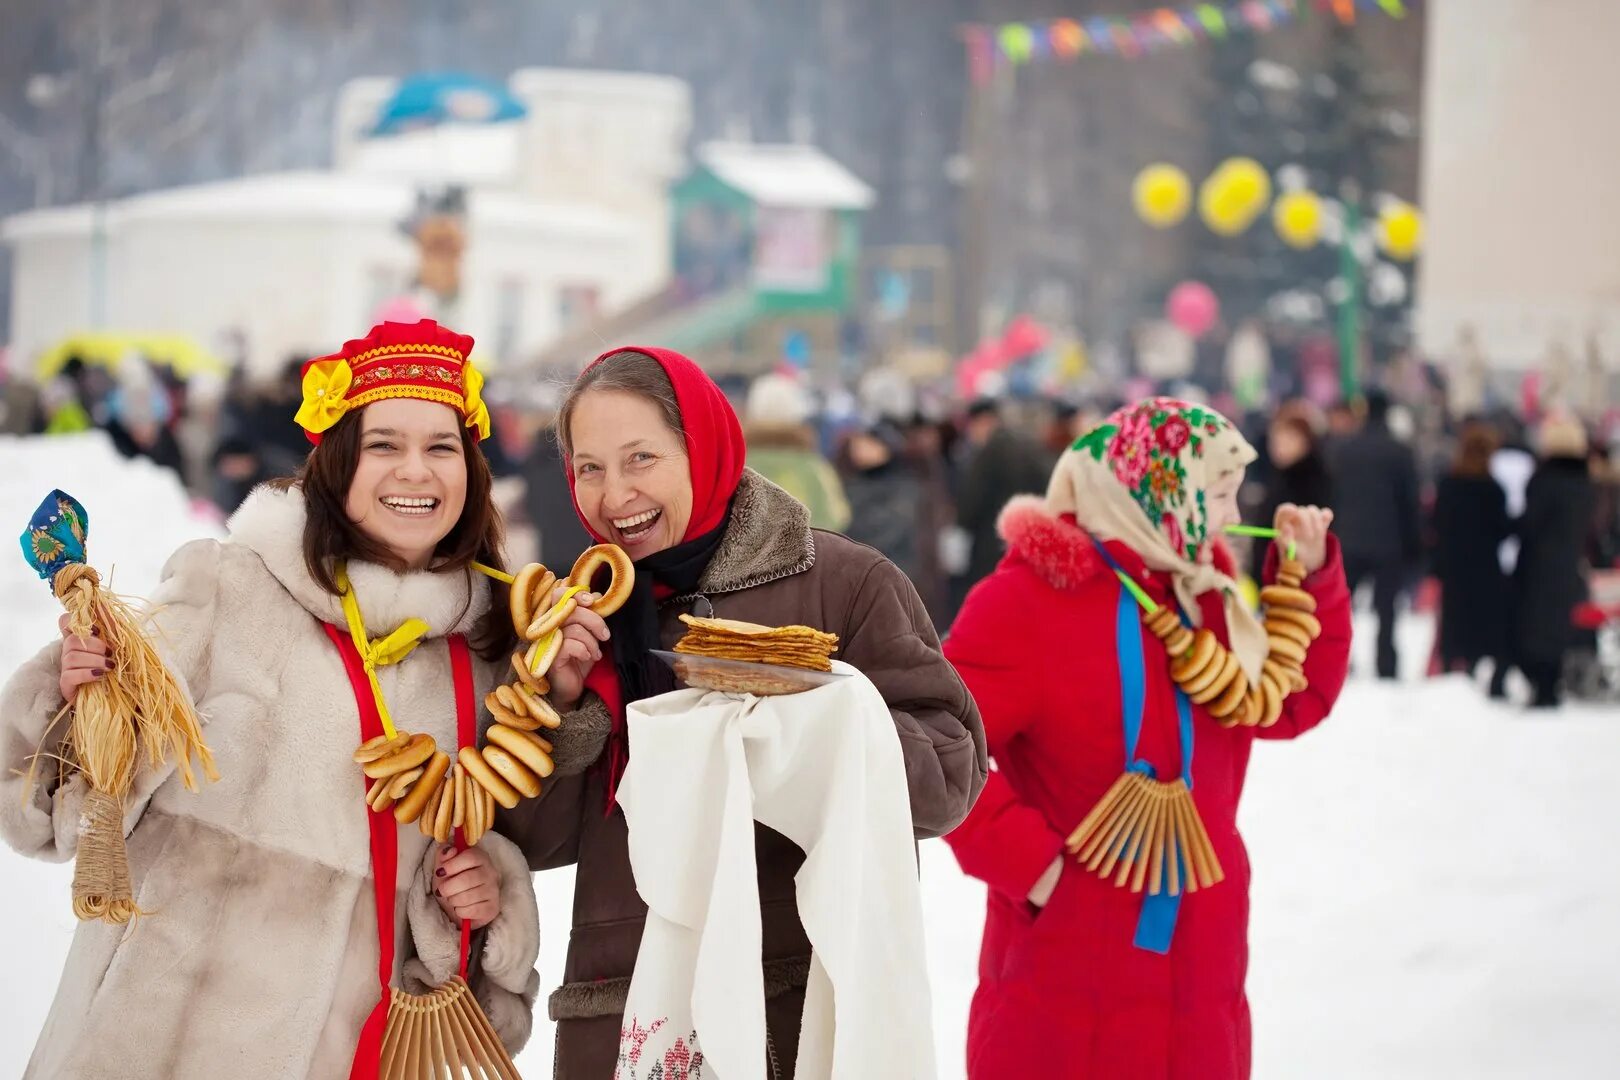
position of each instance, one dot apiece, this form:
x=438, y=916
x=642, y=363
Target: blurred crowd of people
x=1509, y=519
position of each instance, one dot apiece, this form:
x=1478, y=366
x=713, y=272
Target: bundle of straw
x=138, y=707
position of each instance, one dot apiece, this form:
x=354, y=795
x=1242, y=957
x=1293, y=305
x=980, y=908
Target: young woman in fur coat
x=259, y=955
x=1072, y=981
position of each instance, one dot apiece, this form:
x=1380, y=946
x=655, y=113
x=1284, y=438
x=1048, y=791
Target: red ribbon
x=385, y=835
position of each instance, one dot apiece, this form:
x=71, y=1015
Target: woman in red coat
x=1079, y=977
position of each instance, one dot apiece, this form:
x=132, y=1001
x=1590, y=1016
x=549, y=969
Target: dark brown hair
x=1475, y=444
x=478, y=535
x=630, y=372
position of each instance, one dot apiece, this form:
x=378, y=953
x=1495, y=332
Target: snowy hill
x=1433, y=892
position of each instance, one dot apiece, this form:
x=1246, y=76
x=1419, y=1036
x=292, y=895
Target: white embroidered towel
x=823, y=768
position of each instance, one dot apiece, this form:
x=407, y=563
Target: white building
x=568, y=214
x=1520, y=157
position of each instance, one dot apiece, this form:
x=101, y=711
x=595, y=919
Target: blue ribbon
x=1157, y=923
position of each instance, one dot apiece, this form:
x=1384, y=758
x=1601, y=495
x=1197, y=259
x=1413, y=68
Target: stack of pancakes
x=784, y=646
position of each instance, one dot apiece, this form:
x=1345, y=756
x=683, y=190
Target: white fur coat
x=259, y=959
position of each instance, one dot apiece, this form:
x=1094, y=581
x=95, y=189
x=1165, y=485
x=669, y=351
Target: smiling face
x=410, y=479
x=631, y=474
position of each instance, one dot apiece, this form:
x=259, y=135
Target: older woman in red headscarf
x=655, y=456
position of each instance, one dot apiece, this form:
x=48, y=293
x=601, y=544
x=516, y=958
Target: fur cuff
x=511, y=1013
x=511, y=942
x=28, y=705
x=579, y=741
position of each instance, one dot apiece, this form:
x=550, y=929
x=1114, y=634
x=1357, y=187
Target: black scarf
x=634, y=627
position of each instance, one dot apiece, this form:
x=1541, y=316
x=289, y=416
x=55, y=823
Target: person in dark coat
x=1470, y=523
x=884, y=494
x=1549, y=580
x=1299, y=472
x=548, y=503
x=1002, y=464
x=1375, y=511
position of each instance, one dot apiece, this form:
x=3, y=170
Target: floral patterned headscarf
x=1140, y=478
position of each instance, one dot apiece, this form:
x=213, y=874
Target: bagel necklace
x=1147, y=832
x=419, y=781
x=408, y=1034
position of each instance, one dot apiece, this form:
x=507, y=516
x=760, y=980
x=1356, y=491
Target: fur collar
x=767, y=537
x=1060, y=551
x=271, y=525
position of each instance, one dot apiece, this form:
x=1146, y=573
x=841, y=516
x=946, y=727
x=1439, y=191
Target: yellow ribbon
x=476, y=411
x=379, y=653
x=539, y=648
x=326, y=389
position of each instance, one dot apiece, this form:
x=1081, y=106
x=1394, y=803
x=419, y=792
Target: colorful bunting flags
x=1018, y=43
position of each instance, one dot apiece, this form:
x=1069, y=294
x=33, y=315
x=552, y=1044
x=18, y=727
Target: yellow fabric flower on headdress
x=476, y=411
x=326, y=388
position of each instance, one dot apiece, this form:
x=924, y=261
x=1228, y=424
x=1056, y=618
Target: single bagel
x=430, y=812
x=406, y=758
x=617, y=559
x=444, y=813
x=549, y=649
x=539, y=709
x=1311, y=624
x=1283, y=596
x=400, y=784
x=1212, y=678
x=527, y=677
x=1178, y=641
x=377, y=747
x=513, y=771
x=539, y=603
x=1290, y=630
x=1219, y=685
x=1202, y=652
x=415, y=801
x=457, y=783
x=523, y=747
x=488, y=778
x=472, y=825
x=522, y=595
x=1274, y=695
x=1229, y=701
x=1287, y=649
x=1163, y=621
x=502, y=714
x=379, y=796
x=549, y=619
x=1248, y=710
x=506, y=697
x=1291, y=568
x=507, y=718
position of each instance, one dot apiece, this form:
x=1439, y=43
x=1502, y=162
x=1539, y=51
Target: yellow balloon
x=1400, y=231
x=1162, y=195
x=1298, y=218
x=1232, y=196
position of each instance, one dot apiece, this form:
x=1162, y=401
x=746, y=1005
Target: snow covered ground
x=1434, y=878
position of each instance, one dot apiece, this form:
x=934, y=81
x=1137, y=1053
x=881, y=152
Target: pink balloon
x=1192, y=306
x=1024, y=337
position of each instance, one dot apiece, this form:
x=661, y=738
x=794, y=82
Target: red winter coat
x=1062, y=992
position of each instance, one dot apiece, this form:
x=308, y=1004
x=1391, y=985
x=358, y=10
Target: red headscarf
x=715, y=454
x=715, y=450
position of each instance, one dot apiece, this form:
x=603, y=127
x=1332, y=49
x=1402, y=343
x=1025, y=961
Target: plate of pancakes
x=747, y=658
